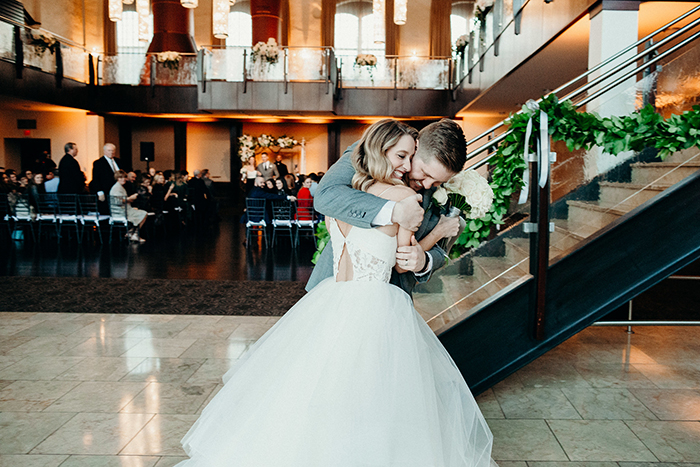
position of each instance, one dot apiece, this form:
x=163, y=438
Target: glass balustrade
x=7, y=41
x=144, y=69
x=409, y=72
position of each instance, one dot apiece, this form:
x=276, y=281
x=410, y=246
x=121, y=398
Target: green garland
x=579, y=130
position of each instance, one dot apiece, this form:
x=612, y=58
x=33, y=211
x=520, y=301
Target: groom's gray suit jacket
x=336, y=198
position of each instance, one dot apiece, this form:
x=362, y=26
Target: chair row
x=285, y=217
x=61, y=212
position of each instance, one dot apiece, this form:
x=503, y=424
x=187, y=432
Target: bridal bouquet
x=169, y=59
x=467, y=191
x=266, y=52
x=461, y=44
x=366, y=60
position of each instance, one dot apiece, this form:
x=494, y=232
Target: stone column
x=172, y=27
x=614, y=26
x=265, y=15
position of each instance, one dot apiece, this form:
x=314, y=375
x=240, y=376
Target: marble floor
x=121, y=390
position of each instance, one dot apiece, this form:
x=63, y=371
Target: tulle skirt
x=350, y=376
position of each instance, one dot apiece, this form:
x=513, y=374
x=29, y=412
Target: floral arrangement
x=42, y=41
x=247, y=144
x=285, y=142
x=246, y=147
x=169, y=59
x=481, y=9
x=461, y=44
x=366, y=60
x=266, y=52
x=469, y=192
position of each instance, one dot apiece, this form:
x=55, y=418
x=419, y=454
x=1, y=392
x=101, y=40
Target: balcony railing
x=43, y=50
x=398, y=72
x=145, y=69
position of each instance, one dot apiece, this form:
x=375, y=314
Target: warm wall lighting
x=189, y=3
x=115, y=10
x=220, y=11
x=400, y=8
x=142, y=8
x=378, y=12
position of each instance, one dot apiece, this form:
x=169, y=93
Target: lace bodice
x=372, y=253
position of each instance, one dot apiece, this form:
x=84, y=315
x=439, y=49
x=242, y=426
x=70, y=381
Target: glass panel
x=39, y=51
x=124, y=69
x=7, y=41
x=260, y=70
x=591, y=189
x=75, y=63
x=454, y=290
x=182, y=72
x=355, y=76
x=408, y=72
x=307, y=64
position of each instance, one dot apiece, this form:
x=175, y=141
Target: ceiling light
x=400, y=8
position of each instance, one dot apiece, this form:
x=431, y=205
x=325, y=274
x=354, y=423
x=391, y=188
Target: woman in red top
x=305, y=200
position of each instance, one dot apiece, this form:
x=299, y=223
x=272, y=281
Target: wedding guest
x=135, y=216
x=281, y=166
x=270, y=185
x=267, y=168
x=143, y=192
x=248, y=174
x=290, y=185
x=51, y=182
x=35, y=188
x=176, y=196
x=130, y=185
x=305, y=199
x=72, y=178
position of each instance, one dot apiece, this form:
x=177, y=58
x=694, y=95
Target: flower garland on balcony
x=169, y=60
x=248, y=145
x=461, y=44
x=369, y=61
x=42, y=41
x=579, y=130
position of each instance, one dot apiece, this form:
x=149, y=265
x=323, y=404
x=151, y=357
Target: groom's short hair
x=444, y=141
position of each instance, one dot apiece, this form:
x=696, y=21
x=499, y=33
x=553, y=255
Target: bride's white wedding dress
x=350, y=376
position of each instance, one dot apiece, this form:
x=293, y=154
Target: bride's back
x=366, y=254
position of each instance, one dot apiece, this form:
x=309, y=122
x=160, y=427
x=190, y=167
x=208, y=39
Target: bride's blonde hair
x=369, y=158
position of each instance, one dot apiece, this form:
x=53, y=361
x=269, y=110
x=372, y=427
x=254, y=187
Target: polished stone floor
x=121, y=390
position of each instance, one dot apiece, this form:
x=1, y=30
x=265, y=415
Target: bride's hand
x=411, y=257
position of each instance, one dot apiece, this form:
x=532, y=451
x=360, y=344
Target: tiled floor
x=121, y=390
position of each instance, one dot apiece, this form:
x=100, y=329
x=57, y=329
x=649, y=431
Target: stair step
x=518, y=249
x=628, y=195
x=563, y=236
x=587, y=217
x=663, y=173
x=684, y=155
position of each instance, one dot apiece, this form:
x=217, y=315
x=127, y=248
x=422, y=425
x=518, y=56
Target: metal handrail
x=603, y=77
x=603, y=63
x=61, y=39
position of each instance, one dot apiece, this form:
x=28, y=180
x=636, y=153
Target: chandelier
x=220, y=11
x=115, y=10
x=378, y=12
x=400, y=7
x=189, y=3
x=142, y=8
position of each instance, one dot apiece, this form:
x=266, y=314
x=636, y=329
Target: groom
x=441, y=153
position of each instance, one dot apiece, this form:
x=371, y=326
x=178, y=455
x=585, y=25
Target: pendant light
x=400, y=8
x=378, y=12
x=189, y=3
x=115, y=10
x=143, y=9
x=220, y=11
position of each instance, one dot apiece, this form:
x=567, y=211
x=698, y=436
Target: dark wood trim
x=334, y=150
x=19, y=52
x=180, y=145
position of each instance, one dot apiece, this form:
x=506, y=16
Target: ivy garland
x=580, y=130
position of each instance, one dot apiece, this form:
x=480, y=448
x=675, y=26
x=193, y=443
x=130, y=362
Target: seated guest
x=23, y=184
x=143, y=199
x=260, y=192
x=270, y=185
x=314, y=183
x=119, y=198
x=279, y=187
x=176, y=196
x=130, y=185
x=52, y=181
x=36, y=188
x=305, y=199
x=290, y=185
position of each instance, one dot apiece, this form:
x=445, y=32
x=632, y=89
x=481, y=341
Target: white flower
x=266, y=51
x=168, y=57
x=461, y=43
x=440, y=196
x=484, y=4
x=366, y=60
x=476, y=191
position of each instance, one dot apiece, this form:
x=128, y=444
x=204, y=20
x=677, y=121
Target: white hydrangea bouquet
x=266, y=51
x=461, y=44
x=366, y=60
x=169, y=59
x=472, y=195
x=246, y=147
x=266, y=141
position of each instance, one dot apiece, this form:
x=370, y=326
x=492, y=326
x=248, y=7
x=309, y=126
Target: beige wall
x=160, y=132
x=415, y=34
x=209, y=147
x=60, y=127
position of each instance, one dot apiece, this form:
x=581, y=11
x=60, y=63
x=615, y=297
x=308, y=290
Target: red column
x=172, y=24
x=266, y=20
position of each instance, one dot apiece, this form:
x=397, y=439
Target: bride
x=351, y=375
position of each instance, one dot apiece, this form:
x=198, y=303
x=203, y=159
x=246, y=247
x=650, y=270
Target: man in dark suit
x=281, y=166
x=72, y=178
x=259, y=192
x=103, y=172
x=267, y=168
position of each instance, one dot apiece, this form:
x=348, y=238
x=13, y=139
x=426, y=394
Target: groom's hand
x=411, y=257
x=408, y=213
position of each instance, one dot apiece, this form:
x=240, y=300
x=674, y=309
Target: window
x=128, y=31
x=460, y=19
x=240, y=25
x=354, y=29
